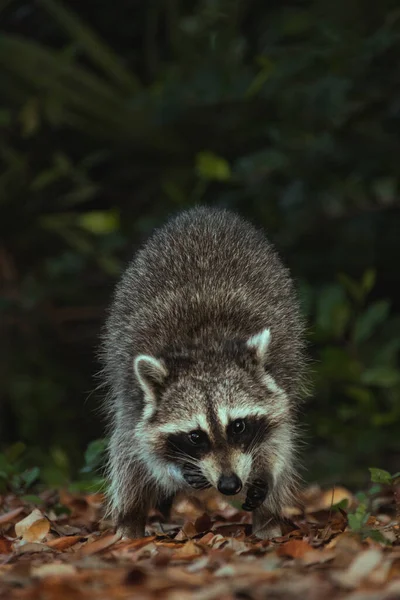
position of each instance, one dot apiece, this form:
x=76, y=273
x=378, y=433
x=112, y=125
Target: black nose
x=229, y=485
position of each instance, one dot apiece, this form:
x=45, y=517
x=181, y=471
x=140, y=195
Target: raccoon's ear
x=150, y=373
x=260, y=343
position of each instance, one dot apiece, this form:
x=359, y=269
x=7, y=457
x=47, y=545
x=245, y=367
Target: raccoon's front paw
x=195, y=479
x=131, y=528
x=256, y=494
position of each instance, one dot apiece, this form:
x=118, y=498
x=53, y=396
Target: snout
x=229, y=484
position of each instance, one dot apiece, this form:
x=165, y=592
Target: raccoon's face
x=221, y=422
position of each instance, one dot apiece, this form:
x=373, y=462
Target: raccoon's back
x=207, y=274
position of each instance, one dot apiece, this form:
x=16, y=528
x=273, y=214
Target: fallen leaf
x=187, y=531
x=319, y=556
x=361, y=566
x=206, y=539
x=31, y=547
x=53, y=570
x=101, y=544
x=5, y=545
x=62, y=543
x=33, y=528
x=326, y=499
x=294, y=549
x=9, y=516
x=63, y=530
x=188, y=550
x=203, y=523
x=314, y=559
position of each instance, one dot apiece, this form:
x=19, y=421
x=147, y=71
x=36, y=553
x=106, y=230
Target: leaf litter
x=205, y=552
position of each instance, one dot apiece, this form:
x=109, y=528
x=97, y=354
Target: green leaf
x=382, y=376
x=30, y=476
x=368, y=280
x=99, y=222
x=267, y=68
x=353, y=288
x=343, y=504
x=32, y=499
x=89, y=486
x=210, y=166
x=369, y=320
x=60, y=509
x=380, y=476
x=86, y=102
x=375, y=535
x=356, y=521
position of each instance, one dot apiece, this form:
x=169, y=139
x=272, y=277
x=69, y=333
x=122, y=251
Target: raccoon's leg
x=130, y=493
x=132, y=524
x=164, y=505
x=265, y=524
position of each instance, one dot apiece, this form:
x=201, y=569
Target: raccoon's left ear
x=260, y=343
x=150, y=373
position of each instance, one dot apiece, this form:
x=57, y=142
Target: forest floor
x=60, y=548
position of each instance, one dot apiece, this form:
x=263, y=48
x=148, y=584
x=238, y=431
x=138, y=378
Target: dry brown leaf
x=319, y=556
x=325, y=499
x=130, y=545
x=188, y=531
x=188, y=550
x=9, y=516
x=63, y=530
x=206, y=539
x=101, y=544
x=33, y=528
x=5, y=545
x=62, y=543
x=55, y=569
x=360, y=568
x=294, y=549
x=220, y=561
x=231, y=530
x=203, y=523
x=31, y=547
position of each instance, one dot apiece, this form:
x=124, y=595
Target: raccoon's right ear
x=260, y=343
x=150, y=373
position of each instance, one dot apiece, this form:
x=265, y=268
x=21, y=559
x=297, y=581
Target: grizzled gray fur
x=204, y=360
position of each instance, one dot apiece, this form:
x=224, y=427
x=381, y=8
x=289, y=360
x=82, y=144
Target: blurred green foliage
x=115, y=115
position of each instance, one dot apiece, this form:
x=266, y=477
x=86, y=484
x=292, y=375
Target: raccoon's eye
x=238, y=426
x=196, y=437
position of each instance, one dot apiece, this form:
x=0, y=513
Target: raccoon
x=204, y=358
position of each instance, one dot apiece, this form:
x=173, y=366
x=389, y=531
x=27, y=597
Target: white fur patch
x=280, y=408
x=211, y=469
x=281, y=448
x=185, y=425
x=226, y=414
x=260, y=343
x=276, y=408
x=241, y=465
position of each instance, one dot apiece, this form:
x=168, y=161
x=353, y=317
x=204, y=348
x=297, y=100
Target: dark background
x=113, y=115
